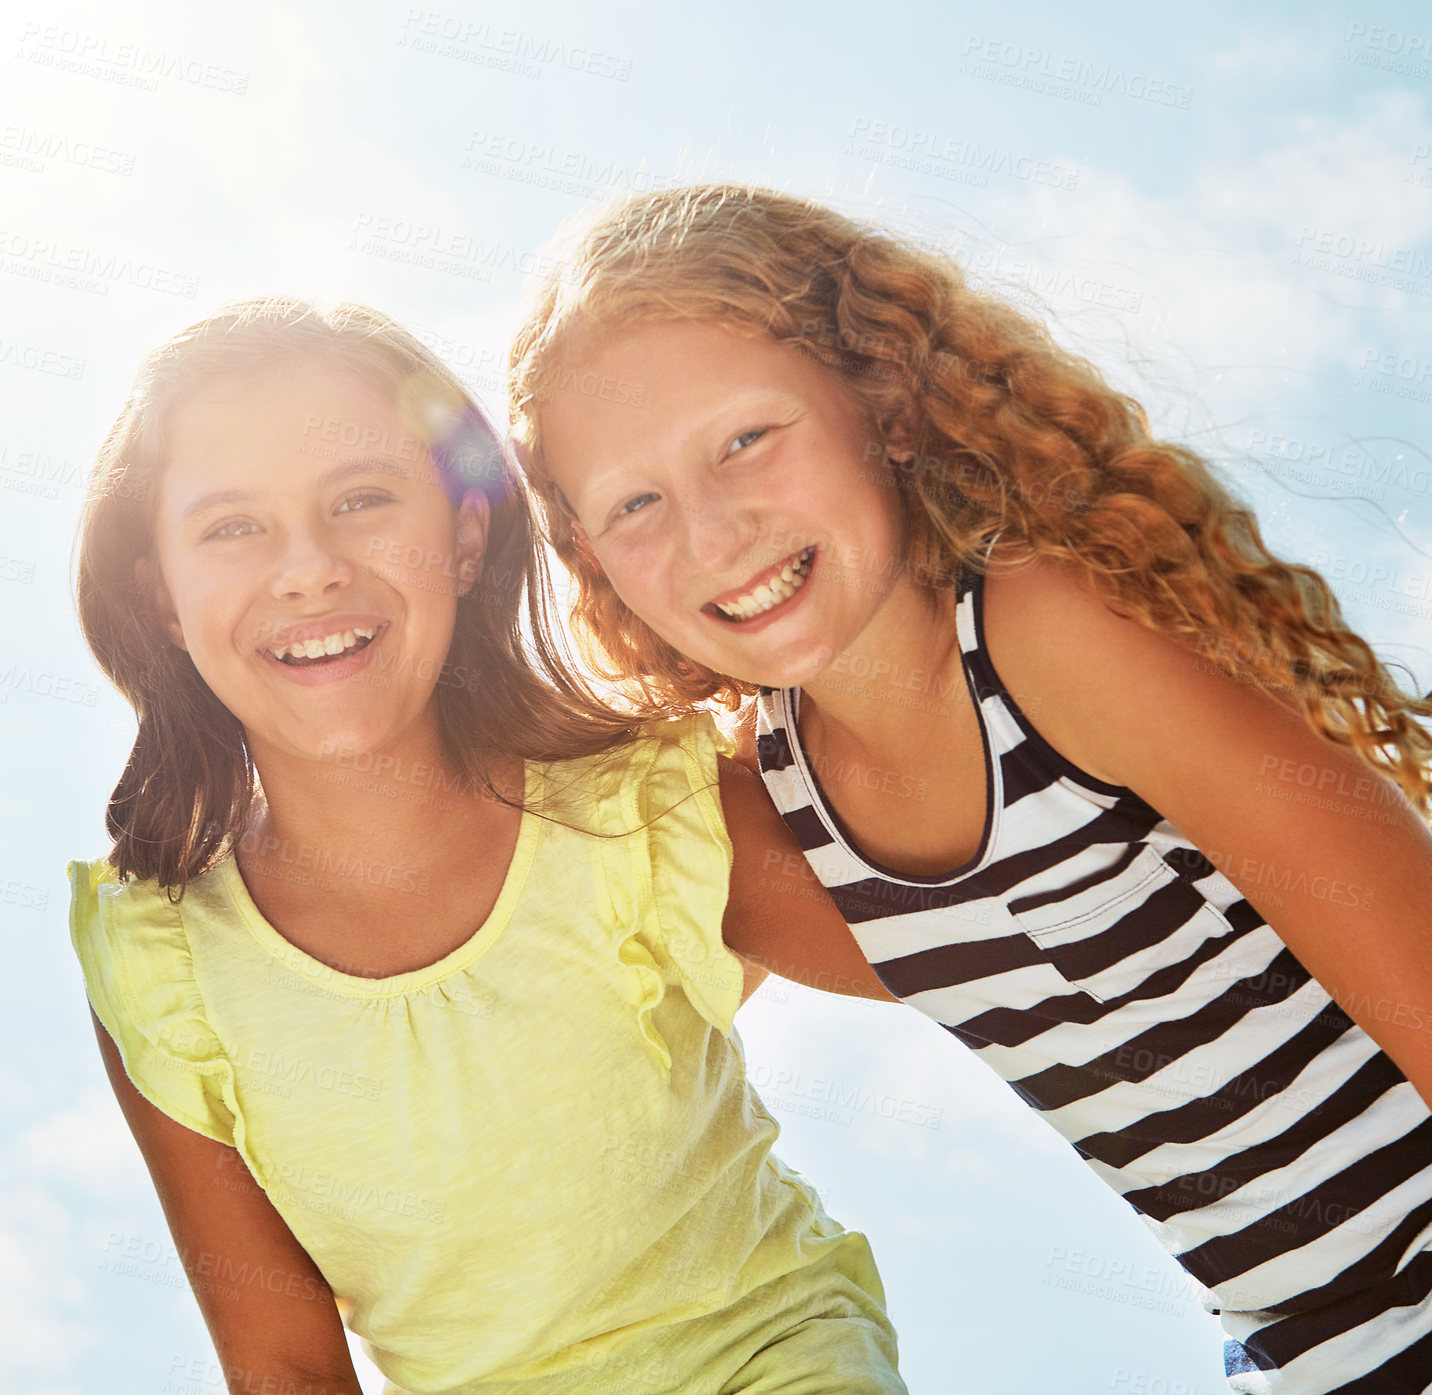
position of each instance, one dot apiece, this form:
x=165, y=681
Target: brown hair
x=1015, y=438
x=507, y=686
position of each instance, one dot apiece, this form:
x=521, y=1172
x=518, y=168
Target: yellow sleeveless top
x=533, y=1157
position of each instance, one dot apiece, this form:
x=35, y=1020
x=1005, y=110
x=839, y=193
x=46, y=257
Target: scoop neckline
x=395, y=985
x=835, y=825
x=790, y=699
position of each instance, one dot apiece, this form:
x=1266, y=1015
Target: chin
x=779, y=673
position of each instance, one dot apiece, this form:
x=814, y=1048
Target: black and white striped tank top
x=1118, y=980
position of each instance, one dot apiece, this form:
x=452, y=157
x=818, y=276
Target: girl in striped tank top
x=1096, y=781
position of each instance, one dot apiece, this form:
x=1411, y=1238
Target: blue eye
x=746, y=438
x=634, y=504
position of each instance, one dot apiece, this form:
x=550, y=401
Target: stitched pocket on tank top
x=1109, y=930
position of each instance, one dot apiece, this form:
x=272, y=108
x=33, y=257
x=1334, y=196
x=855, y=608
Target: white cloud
x=46, y=1322
x=1269, y=56
x=86, y=1147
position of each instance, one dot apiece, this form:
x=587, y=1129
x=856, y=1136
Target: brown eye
x=366, y=500
x=231, y=528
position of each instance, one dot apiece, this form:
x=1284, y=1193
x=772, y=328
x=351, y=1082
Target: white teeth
x=771, y=593
x=336, y=643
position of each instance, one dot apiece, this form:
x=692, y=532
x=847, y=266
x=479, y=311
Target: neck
x=398, y=807
x=891, y=689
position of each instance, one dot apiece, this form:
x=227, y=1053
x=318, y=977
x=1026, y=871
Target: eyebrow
x=223, y=498
x=750, y=399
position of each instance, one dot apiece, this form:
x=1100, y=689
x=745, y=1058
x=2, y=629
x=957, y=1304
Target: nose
x=718, y=531
x=311, y=565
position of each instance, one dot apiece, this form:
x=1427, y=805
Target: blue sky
x=1231, y=213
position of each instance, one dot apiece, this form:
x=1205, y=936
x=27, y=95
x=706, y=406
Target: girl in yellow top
x=407, y=961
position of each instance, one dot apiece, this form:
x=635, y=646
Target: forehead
x=619, y=387
x=281, y=424
x=660, y=356
x=292, y=403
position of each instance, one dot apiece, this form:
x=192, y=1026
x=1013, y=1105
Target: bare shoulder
x=1096, y=685
x=1033, y=605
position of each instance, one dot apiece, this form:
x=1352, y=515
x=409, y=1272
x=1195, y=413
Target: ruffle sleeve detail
x=678, y=865
x=139, y=975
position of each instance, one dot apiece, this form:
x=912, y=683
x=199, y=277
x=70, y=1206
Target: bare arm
x=779, y=917
x=1329, y=852
x=270, y=1313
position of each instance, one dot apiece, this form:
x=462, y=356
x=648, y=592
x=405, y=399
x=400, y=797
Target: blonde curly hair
x=1015, y=437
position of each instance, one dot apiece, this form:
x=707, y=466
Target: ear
x=474, y=517
x=151, y=586
x=899, y=428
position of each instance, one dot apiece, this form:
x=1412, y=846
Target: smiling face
x=314, y=584
x=745, y=510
